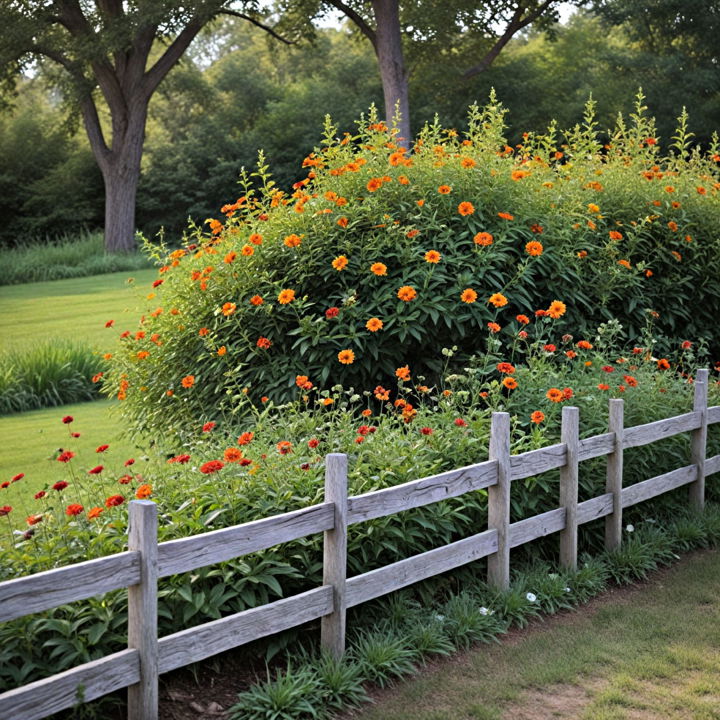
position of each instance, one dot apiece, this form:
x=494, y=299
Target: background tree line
x=235, y=91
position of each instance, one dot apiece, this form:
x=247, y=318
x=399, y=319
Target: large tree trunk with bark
x=388, y=49
x=120, y=193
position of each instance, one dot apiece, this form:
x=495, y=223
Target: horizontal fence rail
x=138, y=569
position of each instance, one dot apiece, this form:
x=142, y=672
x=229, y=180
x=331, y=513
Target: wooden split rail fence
x=145, y=561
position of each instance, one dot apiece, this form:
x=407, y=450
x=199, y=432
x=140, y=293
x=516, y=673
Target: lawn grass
x=650, y=652
x=31, y=441
x=75, y=309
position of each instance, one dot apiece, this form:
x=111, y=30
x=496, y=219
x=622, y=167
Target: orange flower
x=403, y=373
x=144, y=491
x=701, y=190
x=498, y=300
x=555, y=395
x=374, y=184
x=245, y=438
x=420, y=203
x=467, y=162
x=247, y=250
x=676, y=255
x=432, y=256
x=466, y=208
x=663, y=364
x=523, y=319
x=374, y=324
x=506, y=216
x=342, y=222
x=340, y=262
x=256, y=239
x=406, y=293
x=584, y=345
x=412, y=233
x=92, y=513
x=673, y=225
x=494, y=327
x=537, y=417
x=468, y=295
x=534, y=248
x=506, y=367
x=264, y=343
x=444, y=189
x=510, y=383
x=381, y=393
x=378, y=268
x=557, y=309
x=230, y=257
x=286, y=296
x=143, y=354
x=256, y=300
x=582, y=254
x=483, y=238
x=232, y=454
x=615, y=235
x=222, y=350
x=188, y=381
x=292, y=241
x=346, y=357
x=625, y=263
x=593, y=208
x=228, y=308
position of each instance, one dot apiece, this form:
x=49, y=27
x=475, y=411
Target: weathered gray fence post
x=699, y=440
x=332, y=627
x=142, y=611
x=614, y=476
x=499, y=501
x=570, y=435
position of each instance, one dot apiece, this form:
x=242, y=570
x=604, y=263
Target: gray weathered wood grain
x=375, y=583
x=190, y=553
x=569, y=481
x=596, y=446
x=614, y=475
x=52, y=588
x=537, y=461
x=658, y=485
x=499, y=501
x=650, y=432
x=424, y=491
x=64, y=690
x=332, y=626
x=712, y=465
x=536, y=527
x=143, y=696
x=595, y=508
x=698, y=441
x=713, y=414
x=204, y=641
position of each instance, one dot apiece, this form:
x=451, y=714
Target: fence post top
x=336, y=456
x=142, y=504
x=617, y=402
x=702, y=375
x=570, y=410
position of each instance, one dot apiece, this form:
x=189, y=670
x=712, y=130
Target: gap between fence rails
x=139, y=568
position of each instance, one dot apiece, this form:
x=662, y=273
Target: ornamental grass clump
x=382, y=256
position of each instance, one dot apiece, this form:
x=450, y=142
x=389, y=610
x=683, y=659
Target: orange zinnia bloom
x=286, y=296
x=510, y=383
x=498, y=300
x=534, y=248
x=506, y=216
x=557, y=309
x=593, y=208
x=256, y=300
x=230, y=257
x=247, y=250
x=403, y=373
x=466, y=208
x=407, y=293
x=483, y=238
x=524, y=319
x=256, y=239
x=432, y=256
x=374, y=184
x=615, y=235
x=468, y=295
x=188, y=381
x=467, y=162
x=342, y=222
x=537, y=417
x=378, y=268
x=625, y=263
x=444, y=189
x=228, y=308
x=144, y=491
x=555, y=395
x=374, y=324
x=232, y=454
x=222, y=350
x=494, y=327
x=292, y=240
x=340, y=262
x=346, y=357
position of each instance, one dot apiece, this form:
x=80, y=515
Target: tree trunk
x=388, y=48
x=120, y=193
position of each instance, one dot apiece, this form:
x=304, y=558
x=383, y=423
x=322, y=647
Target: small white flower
x=567, y=589
x=531, y=597
x=553, y=576
x=484, y=611
x=439, y=618
x=630, y=528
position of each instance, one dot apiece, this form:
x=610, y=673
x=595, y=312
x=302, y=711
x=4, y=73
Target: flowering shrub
x=272, y=462
x=381, y=257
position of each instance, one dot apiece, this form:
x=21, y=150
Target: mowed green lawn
x=31, y=441
x=651, y=652
x=75, y=309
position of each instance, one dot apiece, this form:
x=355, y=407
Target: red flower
x=74, y=509
x=663, y=364
x=332, y=312
x=264, y=343
x=305, y=466
x=603, y=386
x=313, y=443
x=5, y=510
x=212, y=466
x=567, y=393
x=608, y=368
x=109, y=323
x=125, y=479
x=65, y=456
x=102, y=448
x=686, y=345
x=74, y=434
x=245, y=461
x=96, y=470
x=208, y=426
x=549, y=347
x=460, y=422
x=4, y=485
x=182, y=459
x=363, y=430
x=17, y=477
x=68, y=419
x=284, y=447
x=59, y=485
x=114, y=500
x=426, y=431
x=245, y=438
x=157, y=283
x=40, y=495
x=129, y=462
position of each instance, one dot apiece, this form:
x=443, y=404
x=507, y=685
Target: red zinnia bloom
x=5, y=510
x=663, y=364
x=608, y=368
x=114, y=500
x=603, y=386
x=567, y=393
x=426, y=431
x=182, y=459
x=245, y=438
x=59, y=485
x=125, y=479
x=74, y=509
x=313, y=443
x=109, y=323
x=102, y=448
x=208, y=426
x=40, y=495
x=686, y=345
x=460, y=422
x=549, y=347
x=212, y=466
x=17, y=477
x=129, y=462
x=68, y=419
x=65, y=456
x=96, y=470
x=332, y=312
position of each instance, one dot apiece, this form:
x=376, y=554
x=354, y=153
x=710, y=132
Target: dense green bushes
x=380, y=259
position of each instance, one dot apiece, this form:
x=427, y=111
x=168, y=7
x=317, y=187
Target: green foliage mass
x=285, y=288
